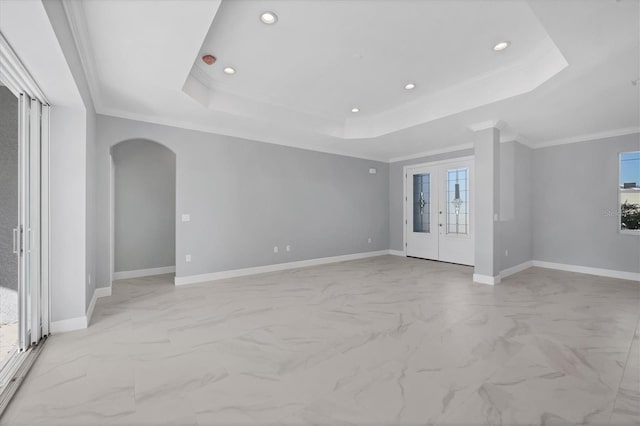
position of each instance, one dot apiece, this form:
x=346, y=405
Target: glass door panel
x=9, y=223
x=24, y=287
x=457, y=202
x=421, y=203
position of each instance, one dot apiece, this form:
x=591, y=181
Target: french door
x=439, y=211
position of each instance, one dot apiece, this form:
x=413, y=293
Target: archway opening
x=143, y=203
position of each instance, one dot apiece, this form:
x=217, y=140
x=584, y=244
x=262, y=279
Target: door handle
x=29, y=240
x=15, y=240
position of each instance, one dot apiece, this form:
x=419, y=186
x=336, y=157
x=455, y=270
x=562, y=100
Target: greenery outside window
x=629, y=192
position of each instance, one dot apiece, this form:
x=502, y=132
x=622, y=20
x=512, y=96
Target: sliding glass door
x=9, y=219
x=33, y=129
x=24, y=228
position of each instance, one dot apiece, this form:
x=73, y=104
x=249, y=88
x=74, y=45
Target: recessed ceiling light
x=229, y=70
x=269, y=18
x=501, y=46
x=355, y=109
x=409, y=86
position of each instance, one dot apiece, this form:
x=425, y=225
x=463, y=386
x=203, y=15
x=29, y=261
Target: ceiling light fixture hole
x=498, y=47
x=268, y=18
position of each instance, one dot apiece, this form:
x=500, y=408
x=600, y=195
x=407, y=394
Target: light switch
x=187, y=258
x=186, y=217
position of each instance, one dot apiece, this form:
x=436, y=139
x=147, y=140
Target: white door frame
x=405, y=195
x=112, y=228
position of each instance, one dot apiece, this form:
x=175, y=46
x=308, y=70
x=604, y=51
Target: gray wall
x=515, y=227
x=574, y=203
x=245, y=197
x=396, y=192
x=145, y=205
x=8, y=205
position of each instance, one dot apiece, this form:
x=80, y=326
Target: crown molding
x=521, y=140
x=489, y=124
x=588, y=137
x=112, y=112
x=432, y=152
x=78, y=25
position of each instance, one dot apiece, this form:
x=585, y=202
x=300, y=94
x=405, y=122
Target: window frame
x=621, y=231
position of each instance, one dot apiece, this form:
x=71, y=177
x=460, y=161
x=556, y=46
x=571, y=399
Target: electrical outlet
x=187, y=258
x=186, y=217
x=275, y=249
x=369, y=240
x=506, y=253
x=288, y=247
x=89, y=277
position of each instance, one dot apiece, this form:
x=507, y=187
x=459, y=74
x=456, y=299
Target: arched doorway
x=143, y=206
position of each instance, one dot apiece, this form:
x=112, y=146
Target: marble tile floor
x=378, y=341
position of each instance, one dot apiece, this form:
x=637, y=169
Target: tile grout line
x=624, y=370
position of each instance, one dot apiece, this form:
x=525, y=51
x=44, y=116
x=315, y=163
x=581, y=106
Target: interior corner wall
x=90, y=241
x=246, y=197
x=145, y=206
x=515, y=227
x=68, y=207
x=79, y=165
x=396, y=192
x=575, y=205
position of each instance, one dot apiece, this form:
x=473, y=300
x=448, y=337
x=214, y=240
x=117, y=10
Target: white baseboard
x=486, y=279
x=79, y=323
x=515, y=269
x=103, y=292
x=192, y=279
x=92, y=305
x=125, y=275
x=611, y=273
x=396, y=253
x=70, y=324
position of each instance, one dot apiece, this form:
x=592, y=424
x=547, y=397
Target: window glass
x=421, y=199
x=629, y=191
x=458, y=201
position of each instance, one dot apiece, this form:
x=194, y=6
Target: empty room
x=319, y=212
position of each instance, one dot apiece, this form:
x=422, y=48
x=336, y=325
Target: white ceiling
x=567, y=73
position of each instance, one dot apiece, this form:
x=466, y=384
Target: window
x=629, y=192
